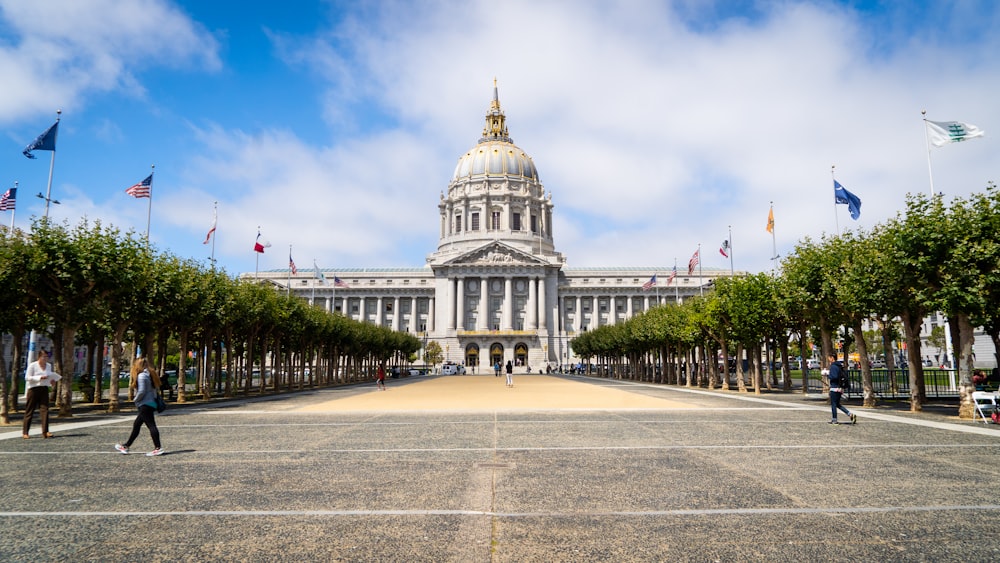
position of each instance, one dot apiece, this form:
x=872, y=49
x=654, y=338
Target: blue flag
x=842, y=196
x=45, y=142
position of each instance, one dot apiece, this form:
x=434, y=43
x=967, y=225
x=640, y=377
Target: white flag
x=942, y=133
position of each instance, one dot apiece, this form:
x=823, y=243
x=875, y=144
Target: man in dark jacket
x=838, y=385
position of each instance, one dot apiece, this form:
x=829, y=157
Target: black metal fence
x=895, y=383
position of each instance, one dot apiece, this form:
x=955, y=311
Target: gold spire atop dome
x=496, y=122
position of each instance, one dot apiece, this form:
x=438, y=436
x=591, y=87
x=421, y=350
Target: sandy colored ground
x=489, y=393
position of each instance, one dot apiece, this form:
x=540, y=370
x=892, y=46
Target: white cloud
x=655, y=127
x=654, y=137
x=59, y=51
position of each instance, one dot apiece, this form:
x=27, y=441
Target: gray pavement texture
x=461, y=468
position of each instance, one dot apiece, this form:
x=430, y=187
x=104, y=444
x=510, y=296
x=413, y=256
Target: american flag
x=291, y=264
x=8, y=200
x=337, y=282
x=142, y=189
x=650, y=283
x=693, y=262
x=673, y=275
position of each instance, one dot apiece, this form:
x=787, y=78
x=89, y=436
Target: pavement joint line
x=822, y=446
x=541, y=514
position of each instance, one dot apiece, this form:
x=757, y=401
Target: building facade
x=495, y=289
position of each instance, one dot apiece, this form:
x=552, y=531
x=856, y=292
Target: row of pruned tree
x=935, y=256
x=93, y=285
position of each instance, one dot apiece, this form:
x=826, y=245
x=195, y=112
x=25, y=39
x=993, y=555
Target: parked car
x=812, y=363
x=452, y=369
x=878, y=364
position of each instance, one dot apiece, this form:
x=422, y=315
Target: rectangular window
x=534, y=223
x=475, y=221
x=516, y=220
x=458, y=223
x=495, y=221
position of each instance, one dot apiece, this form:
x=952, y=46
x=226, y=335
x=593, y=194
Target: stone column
x=628, y=306
x=378, y=310
x=532, y=312
x=543, y=310
x=431, y=315
x=460, y=305
x=508, y=304
x=362, y=310
x=483, y=322
x=612, y=311
x=395, y=314
x=414, y=317
x=450, y=306
x=578, y=320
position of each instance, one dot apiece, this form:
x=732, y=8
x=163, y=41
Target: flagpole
x=732, y=272
x=927, y=139
x=312, y=300
x=215, y=226
x=774, y=244
x=13, y=211
x=836, y=219
x=149, y=206
x=52, y=165
x=256, y=267
x=33, y=336
x=677, y=291
x=701, y=286
x=288, y=288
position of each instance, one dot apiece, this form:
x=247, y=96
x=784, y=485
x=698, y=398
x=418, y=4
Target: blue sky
x=335, y=126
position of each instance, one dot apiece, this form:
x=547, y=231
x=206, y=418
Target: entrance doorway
x=472, y=355
x=496, y=354
x=521, y=354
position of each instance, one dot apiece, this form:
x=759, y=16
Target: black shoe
x=854, y=418
x=833, y=422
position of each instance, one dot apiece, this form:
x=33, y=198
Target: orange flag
x=770, y=221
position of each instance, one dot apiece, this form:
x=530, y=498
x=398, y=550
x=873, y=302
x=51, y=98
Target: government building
x=495, y=289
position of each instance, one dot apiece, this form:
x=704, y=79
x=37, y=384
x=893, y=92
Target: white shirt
x=33, y=376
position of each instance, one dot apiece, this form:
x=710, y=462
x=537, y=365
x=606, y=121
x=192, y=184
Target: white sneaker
x=121, y=449
x=157, y=451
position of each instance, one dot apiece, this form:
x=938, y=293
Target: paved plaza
x=462, y=468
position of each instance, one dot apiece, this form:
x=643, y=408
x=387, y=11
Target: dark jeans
x=835, y=404
x=38, y=398
x=146, y=417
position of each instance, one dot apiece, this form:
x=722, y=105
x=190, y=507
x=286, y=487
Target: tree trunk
x=741, y=383
x=65, y=402
x=182, y=341
x=962, y=351
x=869, y=399
x=99, y=368
x=17, y=339
x=911, y=326
x=786, y=369
x=4, y=385
x=117, y=337
x=756, y=370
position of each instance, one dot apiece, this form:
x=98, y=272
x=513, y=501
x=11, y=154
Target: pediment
x=494, y=254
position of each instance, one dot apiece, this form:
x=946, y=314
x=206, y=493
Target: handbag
x=161, y=405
